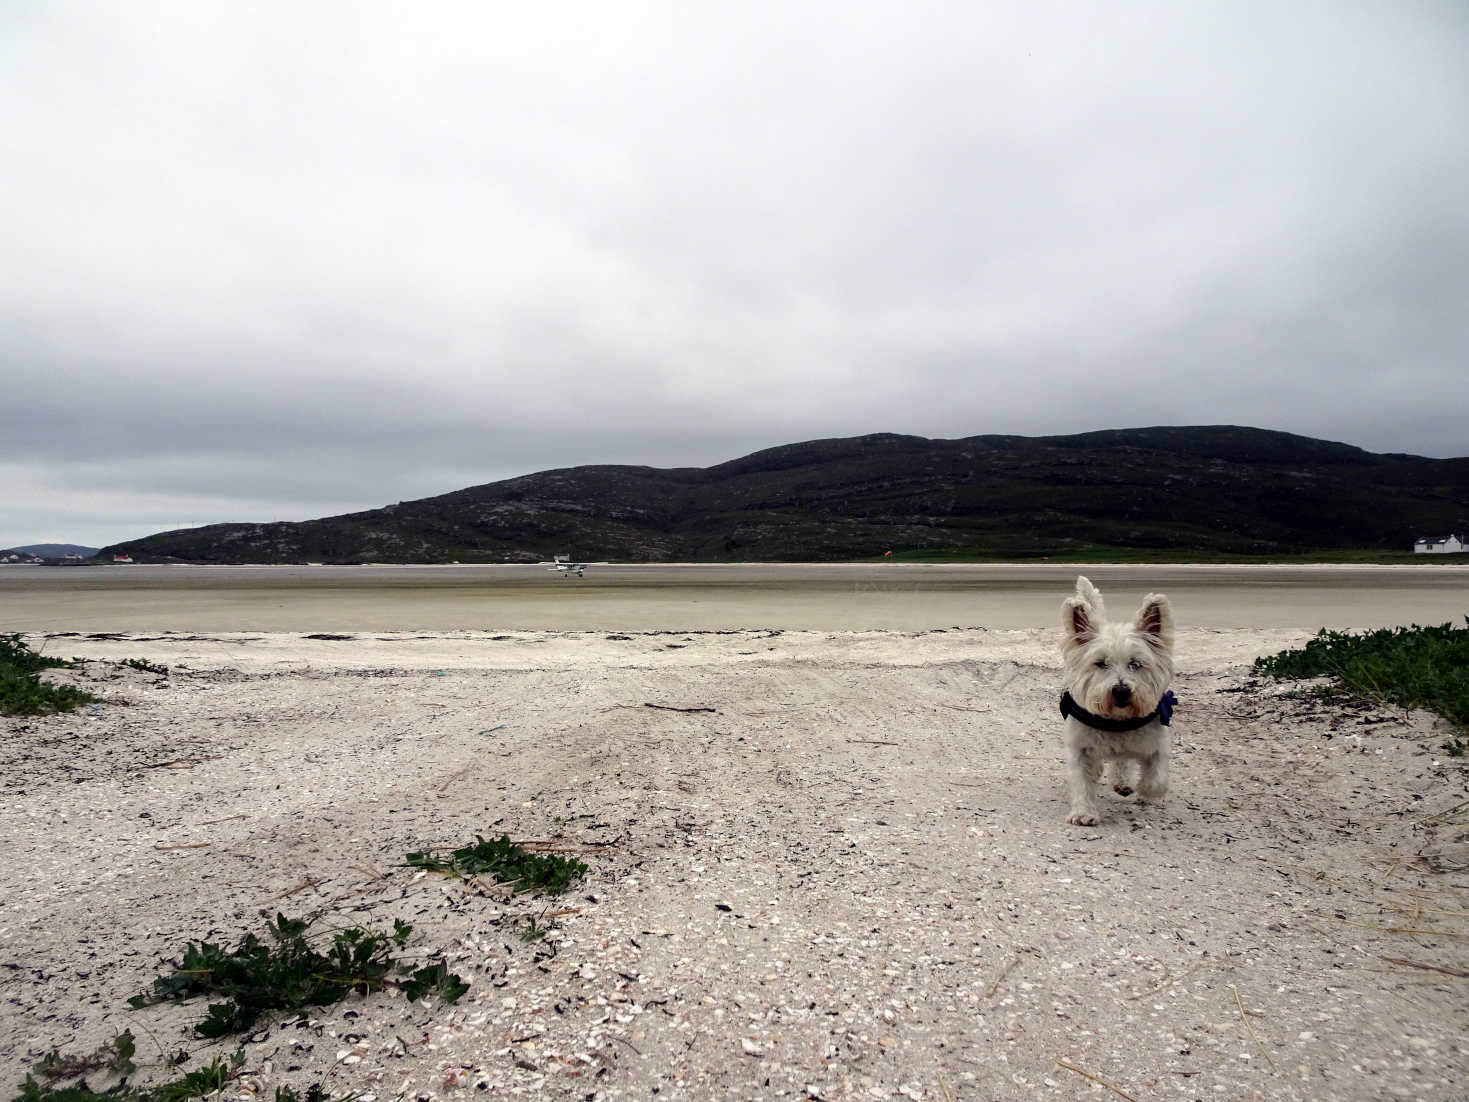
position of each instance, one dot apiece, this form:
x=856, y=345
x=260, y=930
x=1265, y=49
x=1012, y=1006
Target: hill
x=1216, y=490
x=51, y=550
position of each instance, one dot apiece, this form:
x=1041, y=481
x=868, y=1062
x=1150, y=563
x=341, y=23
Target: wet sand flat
x=842, y=597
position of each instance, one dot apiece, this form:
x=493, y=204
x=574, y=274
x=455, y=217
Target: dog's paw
x=1122, y=789
x=1084, y=818
x=1152, y=788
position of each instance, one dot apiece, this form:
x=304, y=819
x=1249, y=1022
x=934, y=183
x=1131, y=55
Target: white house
x=1451, y=545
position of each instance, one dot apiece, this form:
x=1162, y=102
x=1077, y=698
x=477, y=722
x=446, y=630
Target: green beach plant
x=23, y=693
x=1411, y=667
x=199, y=1083
x=507, y=863
x=291, y=974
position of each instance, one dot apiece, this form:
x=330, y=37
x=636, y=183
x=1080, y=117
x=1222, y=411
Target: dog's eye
x=1101, y=663
x=1134, y=665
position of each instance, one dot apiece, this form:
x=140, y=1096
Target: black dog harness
x=1163, y=713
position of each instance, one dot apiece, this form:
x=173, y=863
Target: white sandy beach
x=851, y=879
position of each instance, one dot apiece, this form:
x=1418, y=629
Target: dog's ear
x=1079, y=620
x=1089, y=593
x=1155, y=621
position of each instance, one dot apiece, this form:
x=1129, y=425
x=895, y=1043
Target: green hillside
x=1206, y=492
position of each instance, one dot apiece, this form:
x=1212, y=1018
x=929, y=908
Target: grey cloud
x=334, y=257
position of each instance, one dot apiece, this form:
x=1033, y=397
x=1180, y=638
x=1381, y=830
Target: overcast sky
x=273, y=262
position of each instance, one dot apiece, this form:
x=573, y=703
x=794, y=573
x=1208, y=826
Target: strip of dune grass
x=1412, y=667
x=22, y=692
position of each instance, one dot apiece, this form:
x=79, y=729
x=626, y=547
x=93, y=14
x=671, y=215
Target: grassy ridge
x=1412, y=667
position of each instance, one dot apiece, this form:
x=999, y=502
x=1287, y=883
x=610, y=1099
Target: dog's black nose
x=1121, y=694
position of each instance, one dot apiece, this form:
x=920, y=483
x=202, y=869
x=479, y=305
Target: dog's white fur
x=1119, y=671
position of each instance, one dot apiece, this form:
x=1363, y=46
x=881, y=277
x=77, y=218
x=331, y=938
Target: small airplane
x=563, y=565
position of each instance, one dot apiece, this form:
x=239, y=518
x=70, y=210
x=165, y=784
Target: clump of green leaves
x=144, y=665
x=195, y=1084
x=508, y=863
x=290, y=974
x=434, y=979
x=22, y=692
x=1412, y=667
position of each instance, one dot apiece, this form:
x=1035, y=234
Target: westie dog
x=1116, y=700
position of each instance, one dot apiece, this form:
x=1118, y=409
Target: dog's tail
x=1089, y=593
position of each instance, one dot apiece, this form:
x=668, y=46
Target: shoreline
x=846, y=597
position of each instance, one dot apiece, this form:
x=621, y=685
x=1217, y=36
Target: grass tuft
x=1412, y=667
x=507, y=863
x=22, y=692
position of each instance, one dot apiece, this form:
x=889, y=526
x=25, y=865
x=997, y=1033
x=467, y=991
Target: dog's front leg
x=1153, y=784
x=1082, y=772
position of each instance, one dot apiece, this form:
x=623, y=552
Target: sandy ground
x=852, y=879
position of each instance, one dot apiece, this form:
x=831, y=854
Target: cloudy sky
x=284, y=261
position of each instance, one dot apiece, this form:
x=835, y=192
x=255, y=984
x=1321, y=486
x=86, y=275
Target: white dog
x=1116, y=700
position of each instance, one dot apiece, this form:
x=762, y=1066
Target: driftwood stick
x=177, y=763
x=1456, y=972
x=1001, y=977
x=671, y=708
x=1242, y=1017
x=1095, y=1079
x=623, y=1040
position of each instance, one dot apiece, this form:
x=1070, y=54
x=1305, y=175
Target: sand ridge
x=852, y=879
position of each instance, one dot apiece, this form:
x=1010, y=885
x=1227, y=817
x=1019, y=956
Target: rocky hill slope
x=1216, y=489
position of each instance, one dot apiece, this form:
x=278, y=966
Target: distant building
x=1450, y=545
x=122, y=558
